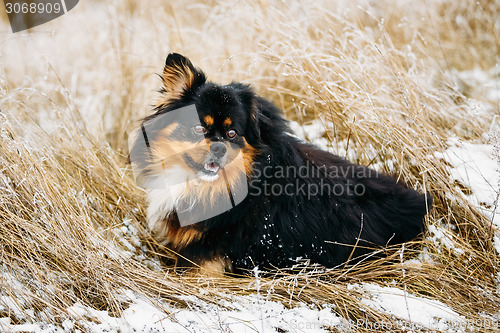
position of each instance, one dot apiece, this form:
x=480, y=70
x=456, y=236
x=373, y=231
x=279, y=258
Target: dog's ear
x=248, y=99
x=255, y=117
x=180, y=76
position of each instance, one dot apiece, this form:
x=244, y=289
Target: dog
x=231, y=188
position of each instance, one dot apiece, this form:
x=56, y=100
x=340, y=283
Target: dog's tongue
x=212, y=166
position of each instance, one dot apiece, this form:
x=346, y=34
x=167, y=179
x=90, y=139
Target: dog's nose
x=218, y=149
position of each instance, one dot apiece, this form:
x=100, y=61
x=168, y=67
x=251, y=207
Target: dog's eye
x=231, y=134
x=198, y=129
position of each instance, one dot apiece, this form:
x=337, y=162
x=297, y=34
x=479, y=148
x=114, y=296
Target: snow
x=312, y=132
x=315, y=132
x=236, y=313
x=245, y=314
x=487, y=81
x=419, y=312
x=442, y=235
x=140, y=315
x=476, y=166
x=252, y=314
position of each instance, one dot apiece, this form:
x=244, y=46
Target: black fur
x=272, y=231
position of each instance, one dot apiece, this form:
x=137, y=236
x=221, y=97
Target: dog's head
x=200, y=131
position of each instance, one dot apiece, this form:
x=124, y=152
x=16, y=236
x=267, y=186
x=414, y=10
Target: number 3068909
x=32, y=8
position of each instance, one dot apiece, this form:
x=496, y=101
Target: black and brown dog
x=239, y=190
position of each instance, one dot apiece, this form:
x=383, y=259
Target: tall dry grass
x=380, y=75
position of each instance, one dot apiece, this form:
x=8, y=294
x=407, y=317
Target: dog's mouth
x=211, y=168
x=208, y=171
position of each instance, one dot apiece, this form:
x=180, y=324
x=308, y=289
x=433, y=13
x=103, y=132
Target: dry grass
x=380, y=76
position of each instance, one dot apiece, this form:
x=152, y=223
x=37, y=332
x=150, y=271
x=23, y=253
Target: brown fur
x=214, y=268
x=217, y=266
x=208, y=192
x=179, y=237
x=208, y=120
x=169, y=232
x=249, y=154
x=171, y=153
x=176, y=79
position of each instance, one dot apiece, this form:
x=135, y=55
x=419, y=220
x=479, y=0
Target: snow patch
x=418, y=312
x=474, y=167
x=238, y=314
x=442, y=235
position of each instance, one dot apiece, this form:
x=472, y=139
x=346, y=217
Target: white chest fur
x=164, y=192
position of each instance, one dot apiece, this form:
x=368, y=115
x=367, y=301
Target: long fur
x=265, y=229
